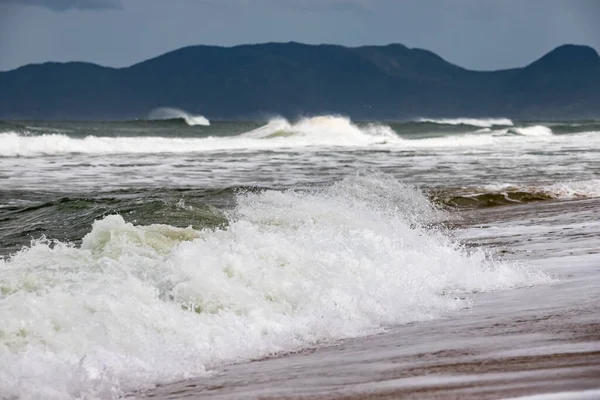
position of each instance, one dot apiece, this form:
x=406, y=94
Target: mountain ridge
x=291, y=79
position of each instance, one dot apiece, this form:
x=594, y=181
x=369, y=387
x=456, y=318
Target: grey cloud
x=354, y=6
x=63, y=5
x=477, y=34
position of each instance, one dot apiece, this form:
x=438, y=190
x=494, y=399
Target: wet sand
x=543, y=339
x=472, y=360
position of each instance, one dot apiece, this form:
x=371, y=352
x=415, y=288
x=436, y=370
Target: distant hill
x=291, y=79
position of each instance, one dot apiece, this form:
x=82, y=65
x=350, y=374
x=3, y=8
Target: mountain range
x=294, y=79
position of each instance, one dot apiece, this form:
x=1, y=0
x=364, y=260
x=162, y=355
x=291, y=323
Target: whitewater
x=169, y=113
x=138, y=254
x=290, y=270
x=314, y=132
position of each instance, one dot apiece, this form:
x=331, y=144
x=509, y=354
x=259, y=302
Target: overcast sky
x=477, y=34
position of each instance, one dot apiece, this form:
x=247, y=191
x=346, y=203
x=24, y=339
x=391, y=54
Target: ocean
x=181, y=256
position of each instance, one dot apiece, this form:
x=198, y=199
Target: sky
x=476, y=34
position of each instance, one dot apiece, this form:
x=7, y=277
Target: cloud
x=349, y=5
x=344, y=6
x=63, y=5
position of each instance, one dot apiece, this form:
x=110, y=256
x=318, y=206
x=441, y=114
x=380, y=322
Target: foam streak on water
x=482, y=123
x=137, y=305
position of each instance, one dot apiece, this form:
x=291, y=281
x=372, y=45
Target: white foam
x=14, y=144
x=310, y=133
x=572, y=395
x=278, y=133
x=500, y=187
x=536, y=130
x=482, y=123
x=455, y=141
x=574, y=189
x=168, y=113
x=325, y=130
x=291, y=269
x=274, y=126
x=559, y=190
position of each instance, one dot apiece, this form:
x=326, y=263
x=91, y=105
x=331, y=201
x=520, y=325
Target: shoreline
x=505, y=357
x=521, y=342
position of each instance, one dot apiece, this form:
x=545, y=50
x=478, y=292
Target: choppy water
x=143, y=252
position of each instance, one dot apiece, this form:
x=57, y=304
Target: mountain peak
x=295, y=79
x=569, y=55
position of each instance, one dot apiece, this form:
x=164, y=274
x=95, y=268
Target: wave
x=13, y=144
x=559, y=190
x=480, y=139
x=482, y=199
x=135, y=305
x=163, y=113
x=536, y=130
x=196, y=208
x=278, y=133
x=575, y=127
x=510, y=194
x=327, y=129
x=481, y=123
x=320, y=131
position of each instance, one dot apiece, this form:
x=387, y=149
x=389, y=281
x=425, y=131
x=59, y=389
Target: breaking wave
x=481, y=123
x=510, y=194
x=174, y=113
x=134, y=306
x=560, y=190
x=278, y=133
x=536, y=130
x=326, y=129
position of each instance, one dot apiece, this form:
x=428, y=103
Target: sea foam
x=536, y=130
x=276, y=134
x=137, y=305
x=558, y=190
x=326, y=131
x=481, y=123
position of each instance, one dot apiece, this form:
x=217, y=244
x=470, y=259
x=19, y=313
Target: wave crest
x=175, y=113
x=319, y=131
x=559, y=190
x=505, y=194
x=325, y=129
x=277, y=133
x=536, y=130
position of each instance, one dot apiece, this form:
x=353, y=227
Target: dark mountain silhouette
x=294, y=79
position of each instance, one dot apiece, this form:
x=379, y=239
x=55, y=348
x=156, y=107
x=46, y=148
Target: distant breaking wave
x=172, y=113
x=323, y=131
x=327, y=131
x=536, y=130
x=481, y=123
